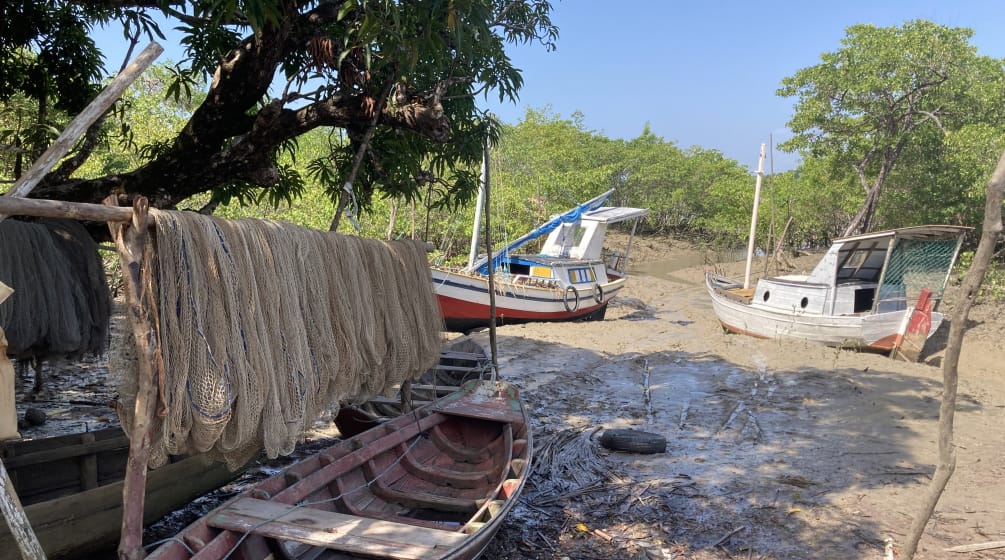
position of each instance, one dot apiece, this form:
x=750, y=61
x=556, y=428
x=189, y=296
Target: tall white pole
x=473, y=253
x=753, y=219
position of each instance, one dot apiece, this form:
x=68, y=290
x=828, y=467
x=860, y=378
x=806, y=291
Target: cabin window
x=581, y=275
x=804, y=302
x=517, y=268
x=766, y=295
x=864, y=299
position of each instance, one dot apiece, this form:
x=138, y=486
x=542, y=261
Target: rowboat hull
x=71, y=489
x=461, y=361
x=465, y=303
x=433, y=484
x=871, y=332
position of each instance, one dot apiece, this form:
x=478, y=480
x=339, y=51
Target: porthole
x=767, y=294
x=804, y=302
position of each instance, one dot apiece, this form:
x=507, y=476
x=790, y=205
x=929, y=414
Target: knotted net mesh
x=265, y=324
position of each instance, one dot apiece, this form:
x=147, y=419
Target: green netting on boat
x=916, y=264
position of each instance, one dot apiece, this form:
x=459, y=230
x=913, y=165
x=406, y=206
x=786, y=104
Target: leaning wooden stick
x=83, y=121
x=947, y=410
x=17, y=521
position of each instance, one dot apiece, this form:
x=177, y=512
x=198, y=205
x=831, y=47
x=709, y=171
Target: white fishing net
x=265, y=324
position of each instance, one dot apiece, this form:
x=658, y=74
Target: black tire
x=633, y=441
x=598, y=293
x=571, y=299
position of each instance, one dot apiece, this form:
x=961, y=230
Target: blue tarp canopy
x=569, y=217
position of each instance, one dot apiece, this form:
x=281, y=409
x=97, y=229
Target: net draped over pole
x=265, y=324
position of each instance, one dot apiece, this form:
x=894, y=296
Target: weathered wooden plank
x=338, y=531
x=460, y=368
x=70, y=451
x=88, y=465
x=17, y=521
x=976, y=547
x=395, y=400
x=458, y=355
x=86, y=522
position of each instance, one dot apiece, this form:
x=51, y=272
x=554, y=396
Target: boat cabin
x=870, y=273
x=572, y=253
x=585, y=239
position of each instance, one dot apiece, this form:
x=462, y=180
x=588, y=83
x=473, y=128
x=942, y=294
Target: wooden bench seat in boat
x=347, y=533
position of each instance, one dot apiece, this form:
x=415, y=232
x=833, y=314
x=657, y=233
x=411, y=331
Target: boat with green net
x=868, y=292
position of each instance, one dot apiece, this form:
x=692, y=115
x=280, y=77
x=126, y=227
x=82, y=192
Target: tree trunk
x=950, y=375
x=863, y=219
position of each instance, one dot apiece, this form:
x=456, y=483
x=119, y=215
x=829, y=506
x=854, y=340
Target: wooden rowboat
x=461, y=361
x=435, y=483
x=71, y=487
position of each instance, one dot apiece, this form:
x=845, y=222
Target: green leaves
x=884, y=92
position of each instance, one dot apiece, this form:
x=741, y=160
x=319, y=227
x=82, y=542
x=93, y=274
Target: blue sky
x=702, y=72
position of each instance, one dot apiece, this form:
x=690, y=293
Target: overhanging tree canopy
x=411, y=70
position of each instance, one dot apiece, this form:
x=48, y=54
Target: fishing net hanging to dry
x=265, y=324
x=61, y=302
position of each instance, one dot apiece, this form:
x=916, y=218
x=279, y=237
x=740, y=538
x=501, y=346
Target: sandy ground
x=777, y=449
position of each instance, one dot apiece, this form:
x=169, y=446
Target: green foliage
x=993, y=286
x=422, y=63
x=46, y=53
x=146, y=120
x=883, y=109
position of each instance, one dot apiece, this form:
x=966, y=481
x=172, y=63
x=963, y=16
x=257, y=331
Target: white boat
x=571, y=278
x=861, y=294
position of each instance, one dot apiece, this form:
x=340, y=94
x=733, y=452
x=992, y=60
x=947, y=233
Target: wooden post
x=31, y=549
x=753, y=219
x=79, y=125
x=493, y=345
x=131, y=243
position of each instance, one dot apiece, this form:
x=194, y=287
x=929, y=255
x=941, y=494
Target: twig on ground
x=727, y=535
x=977, y=547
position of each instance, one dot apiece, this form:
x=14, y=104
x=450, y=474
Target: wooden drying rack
x=130, y=229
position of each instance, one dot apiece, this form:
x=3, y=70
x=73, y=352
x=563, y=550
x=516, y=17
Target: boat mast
x=473, y=253
x=753, y=219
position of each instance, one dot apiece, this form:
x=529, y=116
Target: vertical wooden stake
x=753, y=219
x=971, y=287
x=131, y=243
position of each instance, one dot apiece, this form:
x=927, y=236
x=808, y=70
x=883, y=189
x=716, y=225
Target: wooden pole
x=59, y=209
x=79, y=125
x=18, y=522
x=131, y=243
x=990, y=235
x=490, y=264
x=753, y=219
x=479, y=207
